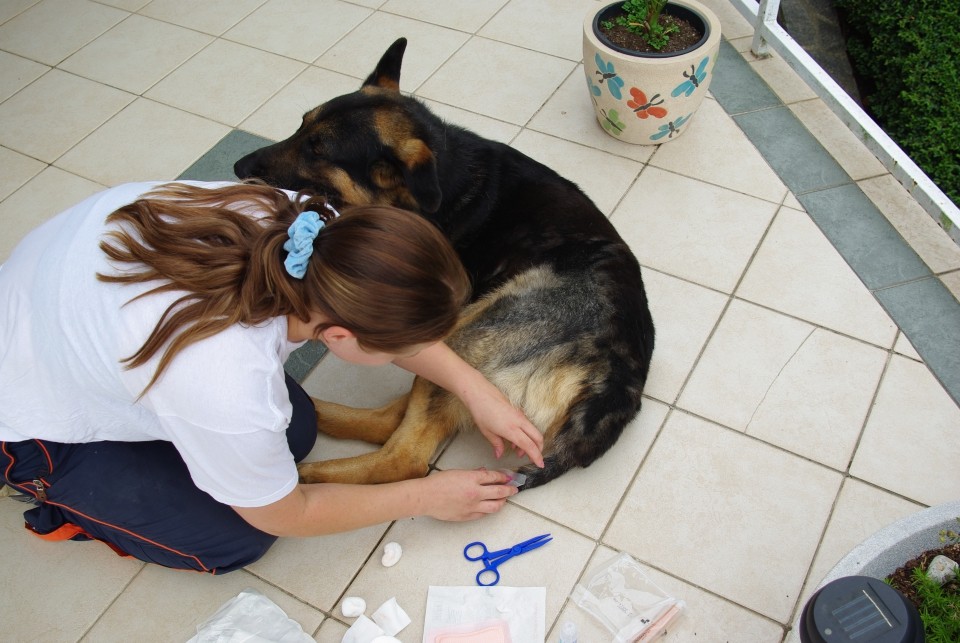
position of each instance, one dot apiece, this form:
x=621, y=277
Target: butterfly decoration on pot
x=643, y=107
x=671, y=128
x=607, y=73
x=612, y=122
x=693, y=79
x=594, y=90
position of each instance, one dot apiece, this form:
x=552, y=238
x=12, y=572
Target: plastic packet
x=621, y=597
x=250, y=617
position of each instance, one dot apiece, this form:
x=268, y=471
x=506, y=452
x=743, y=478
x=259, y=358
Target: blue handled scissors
x=493, y=559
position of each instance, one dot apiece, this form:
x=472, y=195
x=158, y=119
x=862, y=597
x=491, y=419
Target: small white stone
x=353, y=606
x=942, y=569
x=391, y=554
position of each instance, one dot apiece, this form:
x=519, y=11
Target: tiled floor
x=805, y=382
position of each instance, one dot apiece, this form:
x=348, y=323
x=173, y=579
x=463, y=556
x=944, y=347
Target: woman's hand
x=495, y=416
x=465, y=495
x=499, y=421
x=327, y=508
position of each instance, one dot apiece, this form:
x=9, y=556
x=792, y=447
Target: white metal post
x=766, y=14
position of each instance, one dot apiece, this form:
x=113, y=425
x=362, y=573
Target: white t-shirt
x=222, y=401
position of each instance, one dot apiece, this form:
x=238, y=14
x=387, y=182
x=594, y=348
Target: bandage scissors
x=493, y=559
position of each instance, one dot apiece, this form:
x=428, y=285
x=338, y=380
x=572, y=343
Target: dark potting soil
x=688, y=36
x=902, y=578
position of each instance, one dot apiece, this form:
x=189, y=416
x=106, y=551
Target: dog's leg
x=432, y=415
x=370, y=425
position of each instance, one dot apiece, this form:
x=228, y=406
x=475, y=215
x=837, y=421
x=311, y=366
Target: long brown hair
x=387, y=275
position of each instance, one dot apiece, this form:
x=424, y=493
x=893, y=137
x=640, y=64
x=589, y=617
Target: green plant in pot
x=648, y=65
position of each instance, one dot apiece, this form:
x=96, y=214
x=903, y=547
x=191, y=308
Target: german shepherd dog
x=559, y=320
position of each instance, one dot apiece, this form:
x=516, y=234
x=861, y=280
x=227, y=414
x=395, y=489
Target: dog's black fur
x=557, y=290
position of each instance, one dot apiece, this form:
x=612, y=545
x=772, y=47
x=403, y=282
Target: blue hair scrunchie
x=299, y=246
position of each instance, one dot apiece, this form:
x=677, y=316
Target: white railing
x=769, y=34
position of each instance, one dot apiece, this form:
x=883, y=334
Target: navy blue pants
x=138, y=498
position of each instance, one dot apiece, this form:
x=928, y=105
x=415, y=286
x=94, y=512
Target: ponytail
x=387, y=275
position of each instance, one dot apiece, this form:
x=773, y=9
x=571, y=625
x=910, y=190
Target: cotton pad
x=391, y=554
x=353, y=606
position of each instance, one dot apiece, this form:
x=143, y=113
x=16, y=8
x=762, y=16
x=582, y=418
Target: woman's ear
x=335, y=334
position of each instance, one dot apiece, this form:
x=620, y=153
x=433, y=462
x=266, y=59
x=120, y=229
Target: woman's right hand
x=459, y=495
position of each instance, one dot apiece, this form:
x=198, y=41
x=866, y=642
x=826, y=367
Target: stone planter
x=885, y=551
x=645, y=98
x=888, y=549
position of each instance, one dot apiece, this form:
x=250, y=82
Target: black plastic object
x=860, y=609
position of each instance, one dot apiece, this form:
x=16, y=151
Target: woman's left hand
x=495, y=416
x=499, y=420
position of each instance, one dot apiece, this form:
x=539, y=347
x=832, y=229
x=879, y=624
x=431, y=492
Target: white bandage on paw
x=391, y=554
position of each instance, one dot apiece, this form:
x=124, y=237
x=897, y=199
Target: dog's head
x=371, y=146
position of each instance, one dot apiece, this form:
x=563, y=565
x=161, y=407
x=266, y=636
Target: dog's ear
x=387, y=73
x=420, y=174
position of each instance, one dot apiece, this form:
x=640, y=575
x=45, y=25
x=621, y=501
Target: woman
x=143, y=401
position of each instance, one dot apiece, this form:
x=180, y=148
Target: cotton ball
x=353, y=606
x=385, y=639
x=391, y=554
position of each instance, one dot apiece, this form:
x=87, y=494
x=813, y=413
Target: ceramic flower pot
x=649, y=98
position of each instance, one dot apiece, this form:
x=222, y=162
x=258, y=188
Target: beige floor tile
x=918, y=228
x=11, y=8
x=861, y=510
x=905, y=348
x=126, y=5
x=35, y=122
x=716, y=151
x=790, y=201
x=480, y=63
x=684, y=315
x=747, y=353
x=561, y=33
x=317, y=570
x=463, y=15
x=16, y=73
x=331, y=631
x=581, y=499
x=56, y=590
x=433, y=555
x=580, y=164
x=705, y=617
x=691, y=229
x=819, y=400
x=225, y=82
x=781, y=78
x=211, y=16
x=17, y=170
x=952, y=282
x=280, y=116
x=848, y=150
x=732, y=23
x=428, y=46
x=569, y=115
x=185, y=600
x=751, y=502
x=482, y=125
x=51, y=30
x=151, y=141
x=911, y=445
x=798, y=271
x=361, y=386
x=42, y=197
x=269, y=28
x=136, y=53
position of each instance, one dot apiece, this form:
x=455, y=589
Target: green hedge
x=909, y=52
